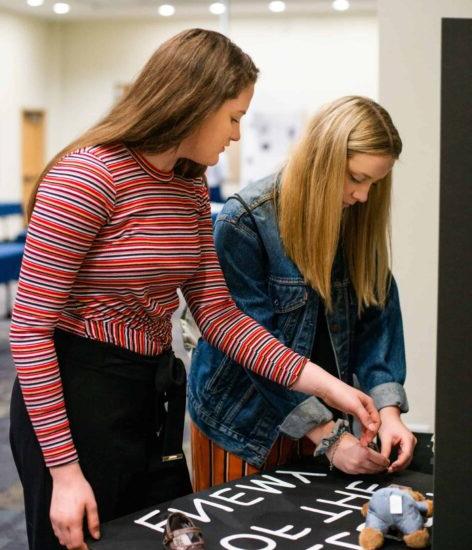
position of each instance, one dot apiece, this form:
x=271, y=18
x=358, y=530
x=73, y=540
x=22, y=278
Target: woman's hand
x=335, y=393
x=349, y=455
x=72, y=498
x=393, y=433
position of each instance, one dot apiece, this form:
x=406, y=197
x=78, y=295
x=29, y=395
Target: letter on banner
x=225, y=543
x=342, y=502
x=283, y=532
x=202, y=515
x=371, y=489
x=235, y=498
x=264, y=485
x=301, y=475
x=155, y=526
x=334, y=540
x=333, y=515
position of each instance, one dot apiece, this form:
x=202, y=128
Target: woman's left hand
x=393, y=433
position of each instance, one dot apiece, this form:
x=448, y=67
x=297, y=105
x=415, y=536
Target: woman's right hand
x=351, y=457
x=335, y=393
x=72, y=498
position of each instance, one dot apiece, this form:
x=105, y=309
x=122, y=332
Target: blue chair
x=10, y=209
x=11, y=255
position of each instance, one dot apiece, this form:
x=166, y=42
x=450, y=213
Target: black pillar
x=453, y=446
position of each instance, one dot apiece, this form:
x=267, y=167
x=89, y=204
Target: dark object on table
x=181, y=533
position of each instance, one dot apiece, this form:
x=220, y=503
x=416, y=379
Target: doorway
x=33, y=139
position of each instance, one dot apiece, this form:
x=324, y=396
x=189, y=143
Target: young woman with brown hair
x=121, y=220
x=306, y=252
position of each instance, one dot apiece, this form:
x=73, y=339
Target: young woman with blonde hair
x=120, y=221
x=306, y=252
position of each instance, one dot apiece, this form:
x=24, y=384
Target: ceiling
x=112, y=9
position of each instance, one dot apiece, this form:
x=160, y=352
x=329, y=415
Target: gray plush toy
x=396, y=508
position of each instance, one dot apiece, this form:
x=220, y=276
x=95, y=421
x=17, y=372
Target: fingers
x=70, y=537
x=368, y=403
x=351, y=458
x=366, y=437
x=368, y=417
x=377, y=460
x=386, y=447
x=93, y=522
x=76, y=538
x=405, y=454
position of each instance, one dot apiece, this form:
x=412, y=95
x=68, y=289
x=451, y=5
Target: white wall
x=70, y=69
x=409, y=87
x=29, y=68
x=305, y=61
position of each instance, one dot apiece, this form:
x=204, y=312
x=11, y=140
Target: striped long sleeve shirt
x=110, y=241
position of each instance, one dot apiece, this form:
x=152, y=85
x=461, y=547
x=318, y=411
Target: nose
x=235, y=134
x=361, y=193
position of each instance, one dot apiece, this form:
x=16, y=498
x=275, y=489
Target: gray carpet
x=12, y=521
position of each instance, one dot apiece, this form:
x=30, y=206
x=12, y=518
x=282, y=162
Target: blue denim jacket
x=244, y=412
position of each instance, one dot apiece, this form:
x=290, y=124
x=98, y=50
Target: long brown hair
x=189, y=76
x=311, y=217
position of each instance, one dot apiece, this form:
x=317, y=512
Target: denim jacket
x=244, y=412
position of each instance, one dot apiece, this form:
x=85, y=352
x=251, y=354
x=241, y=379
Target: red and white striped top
x=110, y=241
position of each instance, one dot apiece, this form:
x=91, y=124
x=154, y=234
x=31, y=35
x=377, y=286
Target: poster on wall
x=268, y=138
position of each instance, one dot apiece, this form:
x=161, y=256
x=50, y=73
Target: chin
x=207, y=161
x=212, y=161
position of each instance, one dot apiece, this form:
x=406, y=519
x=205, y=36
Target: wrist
x=65, y=471
x=339, y=429
x=319, y=432
x=387, y=413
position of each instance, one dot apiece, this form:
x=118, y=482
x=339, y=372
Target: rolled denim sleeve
x=304, y=417
x=379, y=353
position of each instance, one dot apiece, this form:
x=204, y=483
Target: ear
x=416, y=495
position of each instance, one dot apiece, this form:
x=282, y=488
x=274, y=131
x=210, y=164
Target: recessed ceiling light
x=166, y=10
x=217, y=8
x=341, y=5
x=35, y=3
x=277, y=6
x=61, y=8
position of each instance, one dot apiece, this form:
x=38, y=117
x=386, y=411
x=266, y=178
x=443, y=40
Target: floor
x=12, y=522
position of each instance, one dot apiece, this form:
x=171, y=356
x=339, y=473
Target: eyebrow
x=354, y=172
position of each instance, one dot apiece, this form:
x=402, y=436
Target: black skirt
x=126, y=418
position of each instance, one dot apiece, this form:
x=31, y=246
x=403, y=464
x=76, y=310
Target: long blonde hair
x=312, y=221
x=189, y=76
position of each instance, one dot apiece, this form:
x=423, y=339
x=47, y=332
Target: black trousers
x=115, y=416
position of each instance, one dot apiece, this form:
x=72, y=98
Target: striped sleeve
x=73, y=202
x=226, y=327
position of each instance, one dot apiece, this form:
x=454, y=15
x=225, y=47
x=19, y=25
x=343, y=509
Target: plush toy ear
x=429, y=513
x=416, y=495
x=365, y=509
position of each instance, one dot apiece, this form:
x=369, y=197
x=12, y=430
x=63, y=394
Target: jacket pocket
x=287, y=294
x=289, y=297
x=218, y=381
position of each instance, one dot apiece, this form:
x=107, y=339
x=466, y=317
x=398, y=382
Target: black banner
x=298, y=507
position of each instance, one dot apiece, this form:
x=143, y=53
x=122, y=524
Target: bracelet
x=335, y=446
x=333, y=438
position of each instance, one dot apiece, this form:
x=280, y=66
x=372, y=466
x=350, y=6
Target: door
x=33, y=138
